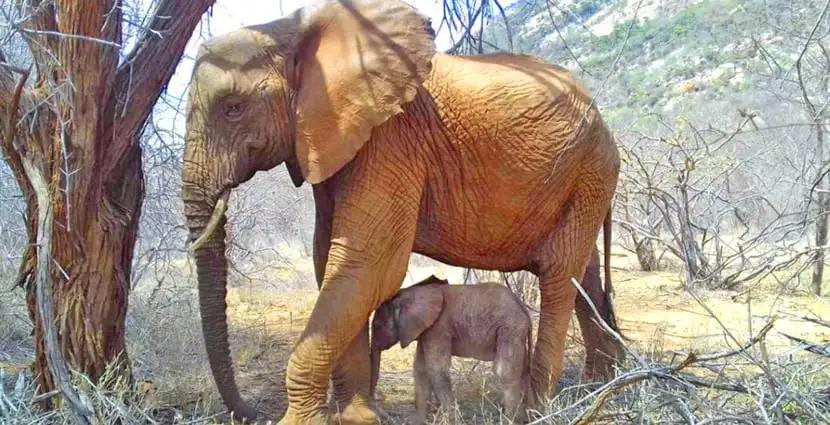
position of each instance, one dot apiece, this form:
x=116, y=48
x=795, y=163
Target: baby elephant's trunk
x=375, y=364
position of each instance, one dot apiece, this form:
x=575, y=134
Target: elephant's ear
x=432, y=279
x=294, y=171
x=358, y=62
x=417, y=312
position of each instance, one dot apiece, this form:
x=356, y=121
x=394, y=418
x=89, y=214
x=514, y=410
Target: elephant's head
x=403, y=318
x=305, y=90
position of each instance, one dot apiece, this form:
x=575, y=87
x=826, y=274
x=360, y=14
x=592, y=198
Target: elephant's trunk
x=375, y=365
x=212, y=271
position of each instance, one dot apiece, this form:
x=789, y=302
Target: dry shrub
x=172, y=379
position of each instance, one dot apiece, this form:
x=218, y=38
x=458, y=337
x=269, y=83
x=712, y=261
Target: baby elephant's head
x=404, y=317
x=384, y=329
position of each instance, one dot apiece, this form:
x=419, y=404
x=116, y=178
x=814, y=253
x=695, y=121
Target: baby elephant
x=483, y=321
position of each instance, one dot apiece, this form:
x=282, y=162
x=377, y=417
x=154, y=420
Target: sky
x=232, y=14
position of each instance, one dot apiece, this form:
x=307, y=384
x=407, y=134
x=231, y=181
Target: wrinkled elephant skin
x=498, y=162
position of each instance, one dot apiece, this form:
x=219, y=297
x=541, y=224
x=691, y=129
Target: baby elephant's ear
x=417, y=312
x=433, y=279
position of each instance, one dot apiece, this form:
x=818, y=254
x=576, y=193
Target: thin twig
x=601, y=322
x=75, y=36
x=754, y=340
x=565, y=42
x=812, y=347
x=809, y=39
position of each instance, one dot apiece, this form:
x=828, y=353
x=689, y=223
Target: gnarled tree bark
x=80, y=124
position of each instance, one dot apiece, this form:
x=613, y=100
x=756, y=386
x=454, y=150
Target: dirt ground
x=653, y=311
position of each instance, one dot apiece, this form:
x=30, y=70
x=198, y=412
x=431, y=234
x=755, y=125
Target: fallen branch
x=815, y=320
x=648, y=371
x=754, y=340
x=79, y=404
x=625, y=380
x=812, y=347
x=700, y=382
x=45, y=396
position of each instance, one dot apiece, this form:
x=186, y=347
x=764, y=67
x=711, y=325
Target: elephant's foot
x=355, y=413
x=516, y=416
x=292, y=417
x=447, y=415
x=241, y=414
x=599, y=367
x=416, y=419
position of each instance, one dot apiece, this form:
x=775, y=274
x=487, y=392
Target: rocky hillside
x=665, y=56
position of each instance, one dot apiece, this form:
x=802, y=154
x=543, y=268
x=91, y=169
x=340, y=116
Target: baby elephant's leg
x=438, y=358
x=509, y=364
x=423, y=388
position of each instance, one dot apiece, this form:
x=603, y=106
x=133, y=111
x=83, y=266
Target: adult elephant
x=497, y=161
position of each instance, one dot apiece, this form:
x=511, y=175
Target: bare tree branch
x=57, y=366
x=154, y=59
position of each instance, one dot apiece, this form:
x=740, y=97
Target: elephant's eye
x=234, y=109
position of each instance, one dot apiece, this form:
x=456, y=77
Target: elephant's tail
x=608, y=290
x=530, y=397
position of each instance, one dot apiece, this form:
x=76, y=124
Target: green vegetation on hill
x=651, y=55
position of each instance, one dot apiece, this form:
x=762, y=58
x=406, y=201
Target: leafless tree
x=791, y=50
x=76, y=123
x=812, y=69
x=696, y=193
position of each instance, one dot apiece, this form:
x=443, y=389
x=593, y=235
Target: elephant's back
x=489, y=77
x=505, y=160
x=487, y=301
x=514, y=109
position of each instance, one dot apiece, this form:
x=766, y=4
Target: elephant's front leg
x=373, y=230
x=351, y=374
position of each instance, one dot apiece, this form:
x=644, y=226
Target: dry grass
x=771, y=382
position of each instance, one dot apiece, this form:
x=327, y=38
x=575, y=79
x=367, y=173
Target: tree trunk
x=821, y=240
x=80, y=125
x=822, y=201
x=820, y=119
x=90, y=279
x=645, y=254
x=697, y=269
x=822, y=214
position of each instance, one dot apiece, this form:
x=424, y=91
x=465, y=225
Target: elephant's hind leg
x=601, y=350
x=567, y=253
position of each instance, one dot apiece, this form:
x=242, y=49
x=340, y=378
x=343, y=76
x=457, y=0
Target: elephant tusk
x=218, y=213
